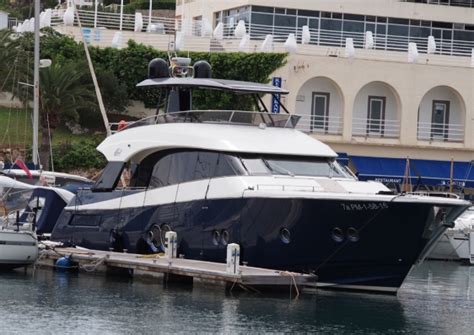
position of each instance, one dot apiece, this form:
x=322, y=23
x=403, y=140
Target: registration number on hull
x=367, y=206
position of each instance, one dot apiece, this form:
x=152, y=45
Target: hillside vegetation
x=118, y=72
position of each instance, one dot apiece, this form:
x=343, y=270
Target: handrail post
x=17, y=220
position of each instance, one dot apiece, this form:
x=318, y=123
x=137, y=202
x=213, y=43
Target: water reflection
x=436, y=298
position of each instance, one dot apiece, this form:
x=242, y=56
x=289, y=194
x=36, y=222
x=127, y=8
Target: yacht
x=454, y=244
x=249, y=177
x=462, y=237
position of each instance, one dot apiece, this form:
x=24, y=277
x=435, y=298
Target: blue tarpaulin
x=422, y=172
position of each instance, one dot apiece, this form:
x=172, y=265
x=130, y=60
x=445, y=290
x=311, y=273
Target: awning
x=422, y=172
x=342, y=158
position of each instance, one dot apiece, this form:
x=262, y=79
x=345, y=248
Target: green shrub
x=81, y=155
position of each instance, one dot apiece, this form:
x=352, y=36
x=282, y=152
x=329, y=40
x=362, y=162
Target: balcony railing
x=257, y=32
x=375, y=128
x=12, y=22
x=456, y=3
x=440, y=132
x=329, y=125
x=111, y=20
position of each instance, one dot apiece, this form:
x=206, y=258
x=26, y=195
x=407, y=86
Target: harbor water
x=437, y=298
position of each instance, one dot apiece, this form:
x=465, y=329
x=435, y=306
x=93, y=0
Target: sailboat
x=19, y=246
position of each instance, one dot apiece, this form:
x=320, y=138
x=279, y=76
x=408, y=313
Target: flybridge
x=178, y=80
x=179, y=74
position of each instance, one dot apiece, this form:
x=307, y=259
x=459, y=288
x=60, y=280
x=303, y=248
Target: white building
x=3, y=20
x=378, y=103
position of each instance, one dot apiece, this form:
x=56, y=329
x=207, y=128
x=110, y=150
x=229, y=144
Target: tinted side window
x=85, y=220
x=205, y=165
x=161, y=173
x=182, y=167
x=109, y=178
x=158, y=170
x=225, y=166
x=142, y=173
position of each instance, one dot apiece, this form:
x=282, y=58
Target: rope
x=91, y=267
x=35, y=266
x=468, y=173
x=7, y=132
x=293, y=279
x=92, y=71
x=8, y=75
x=50, y=143
x=25, y=103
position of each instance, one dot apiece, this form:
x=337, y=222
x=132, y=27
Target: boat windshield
x=310, y=167
x=222, y=117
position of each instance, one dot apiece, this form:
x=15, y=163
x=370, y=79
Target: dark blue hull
x=367, y=245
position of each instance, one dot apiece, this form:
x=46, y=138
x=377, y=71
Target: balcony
x=440, y=132
x=377, y=128
x=329, y=125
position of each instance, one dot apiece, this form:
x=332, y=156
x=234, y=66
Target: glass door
x=440, y=120
x=376, y=115
x=320, y=112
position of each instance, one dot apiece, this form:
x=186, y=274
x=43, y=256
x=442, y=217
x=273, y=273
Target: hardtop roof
x=211, y=83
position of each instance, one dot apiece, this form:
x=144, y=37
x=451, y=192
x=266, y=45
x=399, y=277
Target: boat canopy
x=242, y=87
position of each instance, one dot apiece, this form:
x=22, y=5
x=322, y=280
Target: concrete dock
x=178, y=269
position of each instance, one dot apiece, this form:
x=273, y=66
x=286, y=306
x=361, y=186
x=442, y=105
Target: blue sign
x=276, y=81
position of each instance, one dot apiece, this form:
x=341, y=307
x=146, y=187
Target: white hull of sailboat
x=17, y=248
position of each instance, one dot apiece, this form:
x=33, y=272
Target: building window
x=332, y=29
x=376, y=115
x=440, y=120
x=320, y=111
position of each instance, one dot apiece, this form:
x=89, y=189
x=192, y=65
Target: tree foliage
x=118, y=72
x=82, y=155
x=62, y=95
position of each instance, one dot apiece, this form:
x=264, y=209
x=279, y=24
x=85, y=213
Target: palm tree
x=9, y=54
x=64, y=90
x=16, y=64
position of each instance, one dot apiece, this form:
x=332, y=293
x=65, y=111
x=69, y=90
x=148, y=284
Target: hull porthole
x=285, y=235
x=352, y=234
x=337, y=234
x=225, y=237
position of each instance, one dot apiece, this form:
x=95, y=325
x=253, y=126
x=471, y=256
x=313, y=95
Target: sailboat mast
x=36, y=84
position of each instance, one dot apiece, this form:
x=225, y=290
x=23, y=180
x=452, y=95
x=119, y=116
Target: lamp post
x=96, y=5
x=149, y=13
x=121, y=14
